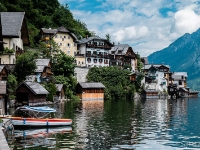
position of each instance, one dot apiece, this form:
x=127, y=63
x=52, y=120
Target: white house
x=95, y=50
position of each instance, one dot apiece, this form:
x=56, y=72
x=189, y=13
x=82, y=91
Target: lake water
x=119, y=124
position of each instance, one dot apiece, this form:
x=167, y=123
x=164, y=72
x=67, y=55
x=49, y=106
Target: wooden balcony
x=98, y=46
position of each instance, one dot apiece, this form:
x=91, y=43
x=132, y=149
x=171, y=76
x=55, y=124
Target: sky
x=146, y=25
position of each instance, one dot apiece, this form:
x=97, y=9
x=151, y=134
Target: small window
x=68, y=44
x=60, y=36
x=95, y=60
x=68, y=52
x=64, y=37
x=68, y=37
x=60, y=44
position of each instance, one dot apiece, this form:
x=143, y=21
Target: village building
x=31, y=94
x=60, y=93
x=43, y=71
x=64, y=38
x=90, y=90
x=95, y=50
x=156, y=77
x=15, y=36
x=178, y=85
x=122, y=55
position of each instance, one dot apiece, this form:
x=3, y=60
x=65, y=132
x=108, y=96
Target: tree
x=64, y=64
x=69, y=83
x=25, y=65
x=108, y=37
x=115, y=79
x=139, y=63
x=51, y=88
x=11, y=86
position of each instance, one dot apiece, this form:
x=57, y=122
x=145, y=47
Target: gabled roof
x=121, y=47
x=85, y=85
x=35, y=87
x=42, y=62
x=60, y=29
x=95, y=38
x=59, y=87
x=2, y=87
x=39, y=69
x=49, y=31
x=12, y=23
x=149, y=65
x=14, y=26
x=180, y=74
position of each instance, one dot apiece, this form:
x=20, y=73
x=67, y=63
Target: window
x=95, y=60
x=60, y=36
x=68, y=52
x=60, y=44
x=180, y=83
x=82, y=62
x=55, y=36
x=68, y=44
x=75, y=44
x=64, y=37
x=68, y=37
x=88, y=59
x=106, y=61
x=100, y=60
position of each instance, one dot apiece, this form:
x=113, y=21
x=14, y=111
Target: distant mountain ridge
x=183, y=55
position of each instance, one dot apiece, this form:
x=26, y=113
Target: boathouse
x=30, y=93
x=90, y=90
x=149, y=94
x=60, y=92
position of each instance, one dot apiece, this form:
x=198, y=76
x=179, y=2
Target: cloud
x=130, y=33
x=185, y=21
x=141, y=24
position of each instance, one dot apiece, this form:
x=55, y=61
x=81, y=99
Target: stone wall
x=81, y=74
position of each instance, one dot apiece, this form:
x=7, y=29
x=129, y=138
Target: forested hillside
x=45, y=14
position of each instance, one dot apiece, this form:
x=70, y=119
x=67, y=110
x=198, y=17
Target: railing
x=98, y=46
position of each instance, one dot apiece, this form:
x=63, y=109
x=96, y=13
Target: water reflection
x=131, y=124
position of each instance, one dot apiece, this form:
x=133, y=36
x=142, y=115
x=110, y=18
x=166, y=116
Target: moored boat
x=40, y=122
x=37, y=117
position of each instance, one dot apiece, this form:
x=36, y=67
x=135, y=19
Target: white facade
x=159, y=84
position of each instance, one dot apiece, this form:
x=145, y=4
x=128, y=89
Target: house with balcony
x=122, y=55
x=156, y=77
x=15, y=36
x=64, y=38
x=178, y=85
x=95, y=50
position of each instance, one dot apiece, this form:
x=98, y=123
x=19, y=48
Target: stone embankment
x=3, y=141
x=81, y=74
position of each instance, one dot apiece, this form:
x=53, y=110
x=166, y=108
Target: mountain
x=183, y=55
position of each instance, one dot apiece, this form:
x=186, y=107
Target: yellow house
x=15, y=35
x=65, y=39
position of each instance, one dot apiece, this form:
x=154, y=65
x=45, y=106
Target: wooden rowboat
x=37, y=117
x=39, y=122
